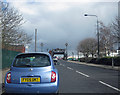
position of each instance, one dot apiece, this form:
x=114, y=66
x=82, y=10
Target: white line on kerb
x=110, y=86
x=82, y=74
x=69, y=68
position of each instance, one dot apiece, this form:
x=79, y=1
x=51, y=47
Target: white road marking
x=69, y=68
x=82, y=74
x=110, y=86
x=62, y=65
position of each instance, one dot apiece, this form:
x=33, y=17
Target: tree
x=106, y=38
x=87, y=46
x=11, y=20
x=115, y=28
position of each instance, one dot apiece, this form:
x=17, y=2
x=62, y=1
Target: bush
x=117, y=61
x=86, y=59
x=93, y=60
x=108, y=61
x=102, y=61
x=82, y=59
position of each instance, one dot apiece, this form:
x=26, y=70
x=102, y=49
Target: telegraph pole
x=98, y=38
x=66, y=44
x=41, y=47
x=35, y=39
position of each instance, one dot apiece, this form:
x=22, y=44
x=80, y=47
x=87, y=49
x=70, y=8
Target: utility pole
x=66, y=44
x=41, y=47
x=98, y=38
x=35, y=39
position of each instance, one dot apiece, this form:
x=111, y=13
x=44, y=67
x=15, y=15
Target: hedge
x=103, y=61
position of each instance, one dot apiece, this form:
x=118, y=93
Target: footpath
x=3, y=72
x=97, y=65
x=2, y=77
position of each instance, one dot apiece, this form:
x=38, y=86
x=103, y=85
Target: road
x=79, y=78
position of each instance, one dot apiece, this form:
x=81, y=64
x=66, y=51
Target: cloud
x=61, y=22
x=59, y=1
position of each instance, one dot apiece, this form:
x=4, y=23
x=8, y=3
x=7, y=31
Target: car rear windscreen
x=32, y=60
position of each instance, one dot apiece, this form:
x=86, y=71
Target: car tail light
x=9, y=78
x=53, y=77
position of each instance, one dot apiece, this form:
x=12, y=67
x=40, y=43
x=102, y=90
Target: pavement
x=97, y=65
x=2, y=77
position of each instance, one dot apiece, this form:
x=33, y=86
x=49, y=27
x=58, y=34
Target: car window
x=32, y=60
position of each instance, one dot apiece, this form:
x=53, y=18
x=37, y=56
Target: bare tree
x=87, y=46
x=115, y=28
x=11, y=20
x=106, y=38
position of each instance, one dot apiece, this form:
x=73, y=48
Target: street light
x=97, y=31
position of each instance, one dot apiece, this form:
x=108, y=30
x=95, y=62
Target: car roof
x=35, y=53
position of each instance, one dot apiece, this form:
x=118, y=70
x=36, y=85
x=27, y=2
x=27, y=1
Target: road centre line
x=82, y=74
x=109, y=86
x=61, y=64
x=69, y=68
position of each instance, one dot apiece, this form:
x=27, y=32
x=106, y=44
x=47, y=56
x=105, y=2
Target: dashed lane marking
x=69, y=68
x=82, y=74
x=109, y=86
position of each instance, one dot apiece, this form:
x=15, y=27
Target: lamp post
x=97, y=32
x=66, y=44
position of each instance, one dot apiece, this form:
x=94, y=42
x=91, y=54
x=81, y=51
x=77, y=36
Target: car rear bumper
x=32, y=88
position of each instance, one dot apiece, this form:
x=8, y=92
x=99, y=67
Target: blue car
x=32, y=73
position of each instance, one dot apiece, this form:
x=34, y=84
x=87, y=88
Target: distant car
x=55, y=59
x=32, y=73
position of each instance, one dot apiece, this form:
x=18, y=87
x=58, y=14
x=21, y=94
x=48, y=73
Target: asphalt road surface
x=79, y=78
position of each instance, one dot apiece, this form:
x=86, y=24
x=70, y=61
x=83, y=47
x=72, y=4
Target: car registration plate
x=30, y=79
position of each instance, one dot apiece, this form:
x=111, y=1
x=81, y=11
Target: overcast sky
x=59, y=22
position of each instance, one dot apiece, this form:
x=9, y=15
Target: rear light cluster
x=53, y=77
x=9, y=77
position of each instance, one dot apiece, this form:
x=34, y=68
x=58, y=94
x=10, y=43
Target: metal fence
x=7, y=57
